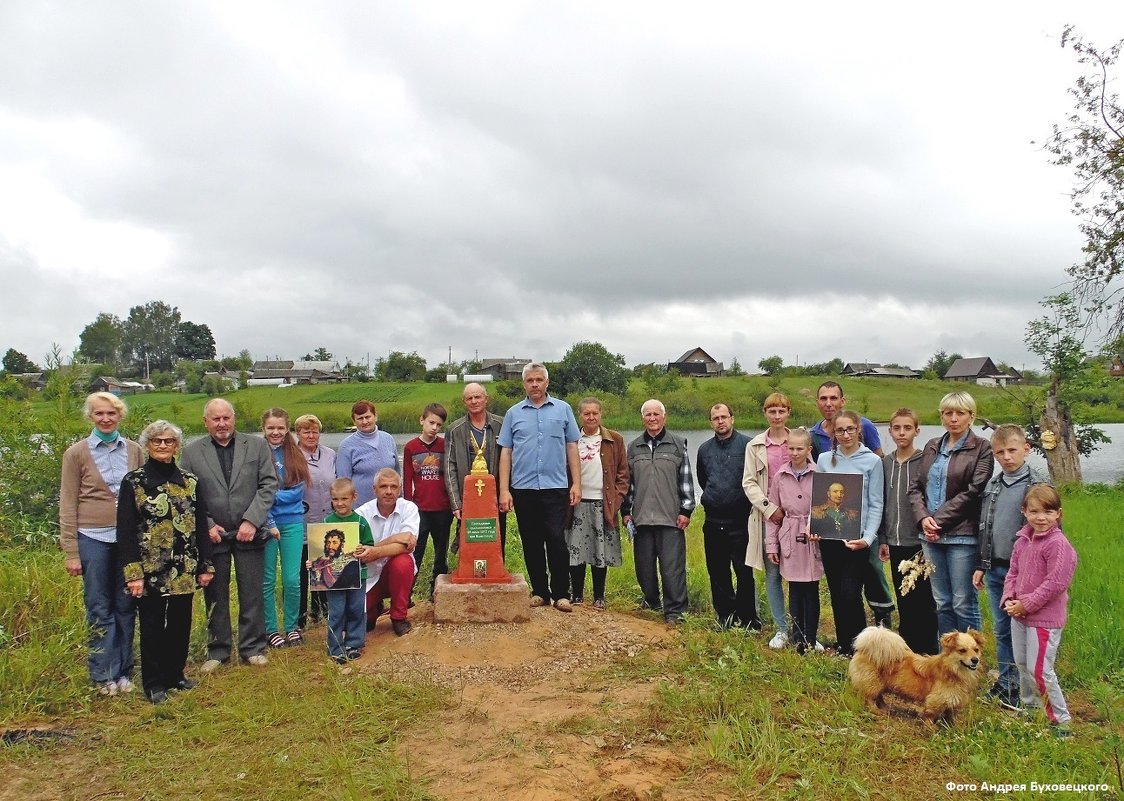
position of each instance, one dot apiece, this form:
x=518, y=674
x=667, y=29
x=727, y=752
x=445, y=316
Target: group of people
x=144, y=533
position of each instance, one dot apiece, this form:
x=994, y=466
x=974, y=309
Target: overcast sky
x=852, y=180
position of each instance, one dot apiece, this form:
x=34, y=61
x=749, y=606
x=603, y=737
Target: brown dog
x=943, y=684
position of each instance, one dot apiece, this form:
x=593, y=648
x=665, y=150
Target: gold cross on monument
x=479, y=487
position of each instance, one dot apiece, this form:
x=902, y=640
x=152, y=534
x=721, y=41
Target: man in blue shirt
x=539, y=478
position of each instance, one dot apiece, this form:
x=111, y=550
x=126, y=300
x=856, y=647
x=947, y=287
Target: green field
x=688, y=404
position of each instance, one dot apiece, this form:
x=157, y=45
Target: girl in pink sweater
x=1035, y=595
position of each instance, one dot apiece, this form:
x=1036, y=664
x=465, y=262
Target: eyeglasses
x=848, y=431
x=166, y=441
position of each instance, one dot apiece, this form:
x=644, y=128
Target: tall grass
x=43, y=637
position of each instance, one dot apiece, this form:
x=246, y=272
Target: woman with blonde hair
x=92, y=470
x=764, y=456
x=946, y=494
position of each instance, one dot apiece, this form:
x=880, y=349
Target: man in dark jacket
x=718, y=467
x=237, y=479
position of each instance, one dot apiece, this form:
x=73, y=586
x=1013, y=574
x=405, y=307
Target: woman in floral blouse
x=162, y=533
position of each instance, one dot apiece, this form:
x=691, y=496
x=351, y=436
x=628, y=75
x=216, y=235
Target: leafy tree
x=658, y=380
x=939, y=363
x=735, y=369
x=771, y=365
x=240, y=362
x=15, y=362
x=399, y=366
x=356, y=372
x=100, y=341
x=150, y=336
x=590, y=366
x=194, y=341
x=436, y=375
x=1091, y=142
x=1058, y=339
x=191, y=374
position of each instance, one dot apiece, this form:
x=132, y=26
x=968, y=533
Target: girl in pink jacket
x=787, y=543
x=1035, y=594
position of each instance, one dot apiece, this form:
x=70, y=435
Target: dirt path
x=537, y=717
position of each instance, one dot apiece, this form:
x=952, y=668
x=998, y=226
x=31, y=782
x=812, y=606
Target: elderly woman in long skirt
x=593, y=527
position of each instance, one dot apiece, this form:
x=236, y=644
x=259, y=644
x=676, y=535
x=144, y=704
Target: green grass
x=400, y=405
x=757, y=723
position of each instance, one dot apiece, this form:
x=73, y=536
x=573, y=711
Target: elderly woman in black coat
x=162, y=532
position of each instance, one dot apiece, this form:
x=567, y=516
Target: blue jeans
x=774, y=591
x=347, y=620
x=1004, y=652
x=958, y=607
x=111, y=613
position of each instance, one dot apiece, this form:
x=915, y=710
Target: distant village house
x=874, y=370
x=289, y=373
x=696, y=363
x=981, y=370
x=503, y=369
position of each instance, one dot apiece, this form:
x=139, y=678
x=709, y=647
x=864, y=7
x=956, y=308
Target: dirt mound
x=537, y=717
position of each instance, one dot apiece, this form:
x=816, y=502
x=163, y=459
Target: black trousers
x=434, y=525
x=249, y=570
x=725, y=544
x=165, y=629
x=845, y=570
x=917, y=612
x=541, y=516
x=804, y=606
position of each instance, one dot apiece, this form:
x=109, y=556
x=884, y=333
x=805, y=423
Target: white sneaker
x=109, y=688
x=257, y=659
x=210, y=666
x=779, y=641
x=819, y=646
x=124, y=685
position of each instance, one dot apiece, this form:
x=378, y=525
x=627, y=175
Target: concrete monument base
x=481, y=603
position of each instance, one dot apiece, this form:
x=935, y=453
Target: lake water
x=1106, y=465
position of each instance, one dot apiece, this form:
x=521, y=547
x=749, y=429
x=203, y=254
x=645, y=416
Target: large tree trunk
x=1063, y=458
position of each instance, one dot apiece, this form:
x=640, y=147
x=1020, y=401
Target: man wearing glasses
x=830, y=400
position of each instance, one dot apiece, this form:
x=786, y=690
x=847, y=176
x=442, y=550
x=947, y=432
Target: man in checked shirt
x=661, y=497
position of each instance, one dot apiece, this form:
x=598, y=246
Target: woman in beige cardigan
x=764, y=456
x=92, y=469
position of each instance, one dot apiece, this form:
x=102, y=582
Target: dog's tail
x=881, y=646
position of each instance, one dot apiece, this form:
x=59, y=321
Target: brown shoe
x=536, y=600
x=401, y=626
x=563, y=605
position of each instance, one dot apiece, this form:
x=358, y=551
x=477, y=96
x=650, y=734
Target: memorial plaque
x=480, y=529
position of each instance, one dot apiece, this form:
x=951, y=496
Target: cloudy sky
x=852, y=180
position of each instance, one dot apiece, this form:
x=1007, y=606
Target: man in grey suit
x=478, y=429
x=238, y=481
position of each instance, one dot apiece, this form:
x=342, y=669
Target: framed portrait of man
x=331, y=549
x=837, y=505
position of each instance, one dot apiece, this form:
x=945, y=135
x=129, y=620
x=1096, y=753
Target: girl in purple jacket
x=787, y=543
x=1035, y=595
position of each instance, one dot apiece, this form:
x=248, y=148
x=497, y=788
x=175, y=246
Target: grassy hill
x=688, y=401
